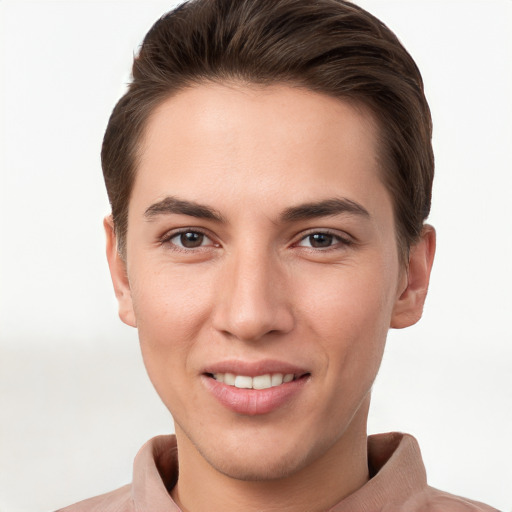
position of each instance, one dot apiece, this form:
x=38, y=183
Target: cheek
x=171, y=309
x=357, y=298
x=350, y=315
x=170, y=301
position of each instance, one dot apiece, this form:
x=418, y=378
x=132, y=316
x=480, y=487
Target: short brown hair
x=328, y=46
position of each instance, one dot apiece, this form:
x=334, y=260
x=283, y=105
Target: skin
x=259, y=287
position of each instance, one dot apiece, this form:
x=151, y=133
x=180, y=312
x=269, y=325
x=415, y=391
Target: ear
x=409, y=305
x=119, y=275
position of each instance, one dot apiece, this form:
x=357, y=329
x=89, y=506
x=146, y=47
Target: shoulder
x=119, y=500
x=400, y=479
x=155, y=470
x=433, y=500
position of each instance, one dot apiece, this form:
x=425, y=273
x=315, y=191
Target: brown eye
x=320, y=240
x=324, y=240
x=191, y=239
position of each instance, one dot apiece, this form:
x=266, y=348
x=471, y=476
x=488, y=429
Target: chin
x=260, y=459
x=261, y=468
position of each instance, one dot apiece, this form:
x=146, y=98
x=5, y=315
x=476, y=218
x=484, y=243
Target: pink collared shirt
x=398, y=482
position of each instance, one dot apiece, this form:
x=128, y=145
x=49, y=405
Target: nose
x=252, y=302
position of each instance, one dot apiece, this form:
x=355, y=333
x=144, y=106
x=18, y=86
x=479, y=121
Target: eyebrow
x=173, y=205
x=326, y=208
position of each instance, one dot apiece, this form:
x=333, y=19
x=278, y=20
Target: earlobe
x=119, y=275
x=409, y=305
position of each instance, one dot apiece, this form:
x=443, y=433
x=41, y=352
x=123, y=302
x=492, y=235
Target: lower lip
x=254, y=401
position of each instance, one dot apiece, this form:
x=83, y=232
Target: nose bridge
x=252, y=301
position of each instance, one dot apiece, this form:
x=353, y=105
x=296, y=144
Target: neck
x=337, y=473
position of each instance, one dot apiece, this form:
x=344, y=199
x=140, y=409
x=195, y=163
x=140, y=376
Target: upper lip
x=254, y=368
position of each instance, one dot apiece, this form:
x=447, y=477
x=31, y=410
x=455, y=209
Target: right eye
x=190, y=240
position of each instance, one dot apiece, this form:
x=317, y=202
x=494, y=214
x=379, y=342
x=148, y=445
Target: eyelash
x=168, y=237
x=337, y=239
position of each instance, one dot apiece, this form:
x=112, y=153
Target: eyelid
x=343, y=238
x=172, y=233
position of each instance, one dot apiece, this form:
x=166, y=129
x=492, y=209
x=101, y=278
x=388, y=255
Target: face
x=262, y=272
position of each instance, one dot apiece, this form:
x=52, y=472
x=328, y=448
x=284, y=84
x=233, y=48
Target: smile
x=259, y=394
x=257, y=382
x=255, y=387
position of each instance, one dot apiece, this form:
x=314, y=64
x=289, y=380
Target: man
x=270, y=172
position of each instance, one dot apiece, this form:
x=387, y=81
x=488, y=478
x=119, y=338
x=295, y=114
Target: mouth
x=255, y=388
x=259, y=382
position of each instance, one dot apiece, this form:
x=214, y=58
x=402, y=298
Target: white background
x=75, y=404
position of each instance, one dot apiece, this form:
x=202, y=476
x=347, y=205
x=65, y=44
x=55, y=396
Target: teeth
x=277, y=379
x=229, y=379
x=262, y=382
x=241, y=381
x=259, y=382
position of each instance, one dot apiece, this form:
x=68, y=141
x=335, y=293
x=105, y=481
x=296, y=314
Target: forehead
x=212, y=136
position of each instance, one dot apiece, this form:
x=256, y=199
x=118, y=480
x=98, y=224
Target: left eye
x=190, y=239
x=319, y=240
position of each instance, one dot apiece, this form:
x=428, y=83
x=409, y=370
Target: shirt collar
x=394, y=461
x=155, y=472
x=397, y=471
